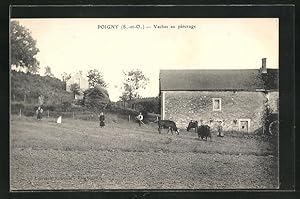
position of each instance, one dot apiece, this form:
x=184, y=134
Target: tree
x=75, y=89
x=95, y=77
x=134, y=81
x=48, y=72
x=124, y=99
x=65, y=76
x=23, y=48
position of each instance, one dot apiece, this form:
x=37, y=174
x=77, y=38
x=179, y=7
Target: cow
x=204, y=131
x=167, y=124
x=192, y=124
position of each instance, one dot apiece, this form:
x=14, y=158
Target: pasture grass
x=124, y=155
x=128, y=136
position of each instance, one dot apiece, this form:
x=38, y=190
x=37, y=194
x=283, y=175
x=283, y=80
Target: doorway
x=244, y=125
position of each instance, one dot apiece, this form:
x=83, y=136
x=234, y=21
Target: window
x=216, y=104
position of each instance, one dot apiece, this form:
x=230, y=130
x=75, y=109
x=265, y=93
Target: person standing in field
x=140, y=118
x=102, y=118
x=220, y=129
x=58, y=121
x=39, y=113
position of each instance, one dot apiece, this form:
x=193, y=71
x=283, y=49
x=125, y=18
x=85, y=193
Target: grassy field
x=80, y=155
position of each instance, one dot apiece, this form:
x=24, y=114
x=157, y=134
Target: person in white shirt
x=140, y=118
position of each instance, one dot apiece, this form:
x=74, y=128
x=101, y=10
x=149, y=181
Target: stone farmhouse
x=79, y=79
x=236, y=97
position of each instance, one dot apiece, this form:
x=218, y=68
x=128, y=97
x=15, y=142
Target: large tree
x=95, y=77
x=134, y=81
x=23, y=48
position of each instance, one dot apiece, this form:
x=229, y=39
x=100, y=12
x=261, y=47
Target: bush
x=148, y=117
x=15, y=107
x=66, y=106
x=150, y=105
x=79, y=102
x=28, y=87
x=27, y=109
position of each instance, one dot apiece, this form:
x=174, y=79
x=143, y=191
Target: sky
x=72, y=45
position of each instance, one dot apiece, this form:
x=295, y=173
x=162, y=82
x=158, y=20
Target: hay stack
x=96, y=98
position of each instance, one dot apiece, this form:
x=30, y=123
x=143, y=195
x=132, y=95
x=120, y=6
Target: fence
x=84, y=115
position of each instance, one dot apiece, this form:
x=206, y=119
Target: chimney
x=264, y=65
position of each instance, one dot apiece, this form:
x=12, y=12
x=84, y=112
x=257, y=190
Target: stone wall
x=183, y=106
x=273, y=101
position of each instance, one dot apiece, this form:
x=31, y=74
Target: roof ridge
x=206, y=79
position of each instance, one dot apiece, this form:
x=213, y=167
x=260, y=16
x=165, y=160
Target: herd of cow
x=203, y=131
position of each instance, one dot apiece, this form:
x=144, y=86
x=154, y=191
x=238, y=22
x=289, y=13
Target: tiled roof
x=246, y=80
x=271, y=79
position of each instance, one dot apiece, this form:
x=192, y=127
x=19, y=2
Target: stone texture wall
x=274, y=101
x=183, y=106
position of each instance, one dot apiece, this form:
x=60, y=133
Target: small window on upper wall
x=216, y=104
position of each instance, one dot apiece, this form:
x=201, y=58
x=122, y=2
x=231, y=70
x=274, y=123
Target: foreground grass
x=80, y=155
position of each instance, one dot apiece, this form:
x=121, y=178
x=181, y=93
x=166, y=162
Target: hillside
x=26, y=88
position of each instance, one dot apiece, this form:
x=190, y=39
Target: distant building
x=237, y=97
x=79, y=79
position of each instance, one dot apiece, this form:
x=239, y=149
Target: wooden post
x=73, y=115
x=129, y=118
x=20, y=113
x=48, y=113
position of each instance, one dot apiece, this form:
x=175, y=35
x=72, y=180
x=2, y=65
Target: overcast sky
x=71, y=45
